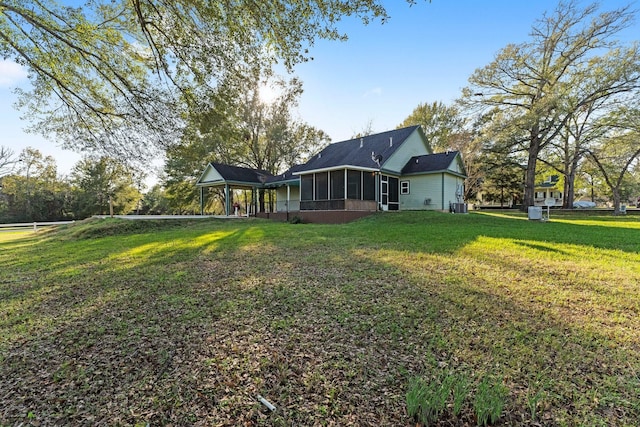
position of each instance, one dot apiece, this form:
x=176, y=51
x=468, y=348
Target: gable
x=219, y=172
x=415, y=145
x=210, y=174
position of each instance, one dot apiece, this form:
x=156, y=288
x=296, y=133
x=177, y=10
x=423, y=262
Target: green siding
x=451, y=183
x=438, y=188
x=422, y=187
x=414, y=145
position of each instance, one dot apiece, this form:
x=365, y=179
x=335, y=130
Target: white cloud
x=11, y=73
x=376, y=91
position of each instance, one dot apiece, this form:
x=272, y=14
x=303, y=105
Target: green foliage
x=295, y=220
x=426, y=400
x=614, y=156
x=34, y=192
x=535, y=89
x=118, y=76
x=460, y=389
x=440, y=123
x=502, y=181
x=155, y=202
x=241, y=129
x=489, y=401
x=101, y=185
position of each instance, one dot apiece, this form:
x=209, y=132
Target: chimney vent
x=390, y=141
x=361, y=142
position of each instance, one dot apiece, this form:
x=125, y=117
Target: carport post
x=201, y=200
x=226, y=199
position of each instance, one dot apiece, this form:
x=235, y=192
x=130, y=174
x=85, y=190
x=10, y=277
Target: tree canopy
x=572, y=62
x=118, y=76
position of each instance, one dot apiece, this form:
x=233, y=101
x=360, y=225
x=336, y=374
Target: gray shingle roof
x=429, y=163
x=352, y=154
x=240, y=174
x=288, y=175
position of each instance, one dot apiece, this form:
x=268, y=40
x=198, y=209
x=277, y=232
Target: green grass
x=118, y=322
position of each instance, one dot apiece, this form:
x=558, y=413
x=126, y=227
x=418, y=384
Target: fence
x=33, y=225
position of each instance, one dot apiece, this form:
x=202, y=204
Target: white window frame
x=404, y=190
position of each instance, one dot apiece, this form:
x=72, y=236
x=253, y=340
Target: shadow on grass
x=187, y=326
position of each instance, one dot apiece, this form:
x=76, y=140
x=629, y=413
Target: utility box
x=459, y=207
x=535, y=213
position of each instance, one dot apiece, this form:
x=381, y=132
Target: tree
x=7, y=160
x=440, y=123
x=616, y=154
x=367, y=130
x=244, y=131
x=501, y=178
x=271, y=138
x=34, y=192
x=531, y=82
x=103, y=186
x=446, y=129
x=118, y=75
x=155, y=202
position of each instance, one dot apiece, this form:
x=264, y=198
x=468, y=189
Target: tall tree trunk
x=530, y=174
x=569, y=190
x=616, y=200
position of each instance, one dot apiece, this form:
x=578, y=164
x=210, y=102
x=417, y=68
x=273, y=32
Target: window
x=306, y=187
x=322, y=186
x=368, y=185
x=337, y=185
x=354, y=184
x=404, y=187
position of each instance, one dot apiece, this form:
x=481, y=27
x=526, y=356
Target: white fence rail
x=33, y=225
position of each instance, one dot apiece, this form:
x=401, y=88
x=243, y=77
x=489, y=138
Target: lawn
x=393, y=319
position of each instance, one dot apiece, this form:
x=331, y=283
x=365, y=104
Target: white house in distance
x=388, y=171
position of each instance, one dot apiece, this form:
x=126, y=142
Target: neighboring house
x=388, y=171
x=548, y=189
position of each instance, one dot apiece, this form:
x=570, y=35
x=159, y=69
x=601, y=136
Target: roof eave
x=335, y=168
x=449, y=171
x=230, y=182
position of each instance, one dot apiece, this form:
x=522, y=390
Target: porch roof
x=219, y=174
x=431, y=163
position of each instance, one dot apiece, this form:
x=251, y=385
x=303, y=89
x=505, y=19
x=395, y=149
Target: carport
x=231, y=178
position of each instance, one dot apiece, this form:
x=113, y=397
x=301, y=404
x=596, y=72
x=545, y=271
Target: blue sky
x=424, y=53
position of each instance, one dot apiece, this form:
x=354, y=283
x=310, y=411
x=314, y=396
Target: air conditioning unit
x=535, y=213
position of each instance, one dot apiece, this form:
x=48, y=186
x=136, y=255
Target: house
x=547, y=190
x=388, y=171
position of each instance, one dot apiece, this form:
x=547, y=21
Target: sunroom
x=348, y=188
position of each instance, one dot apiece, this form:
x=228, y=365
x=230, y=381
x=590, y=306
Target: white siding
x=210, y=174
x=414, y=145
